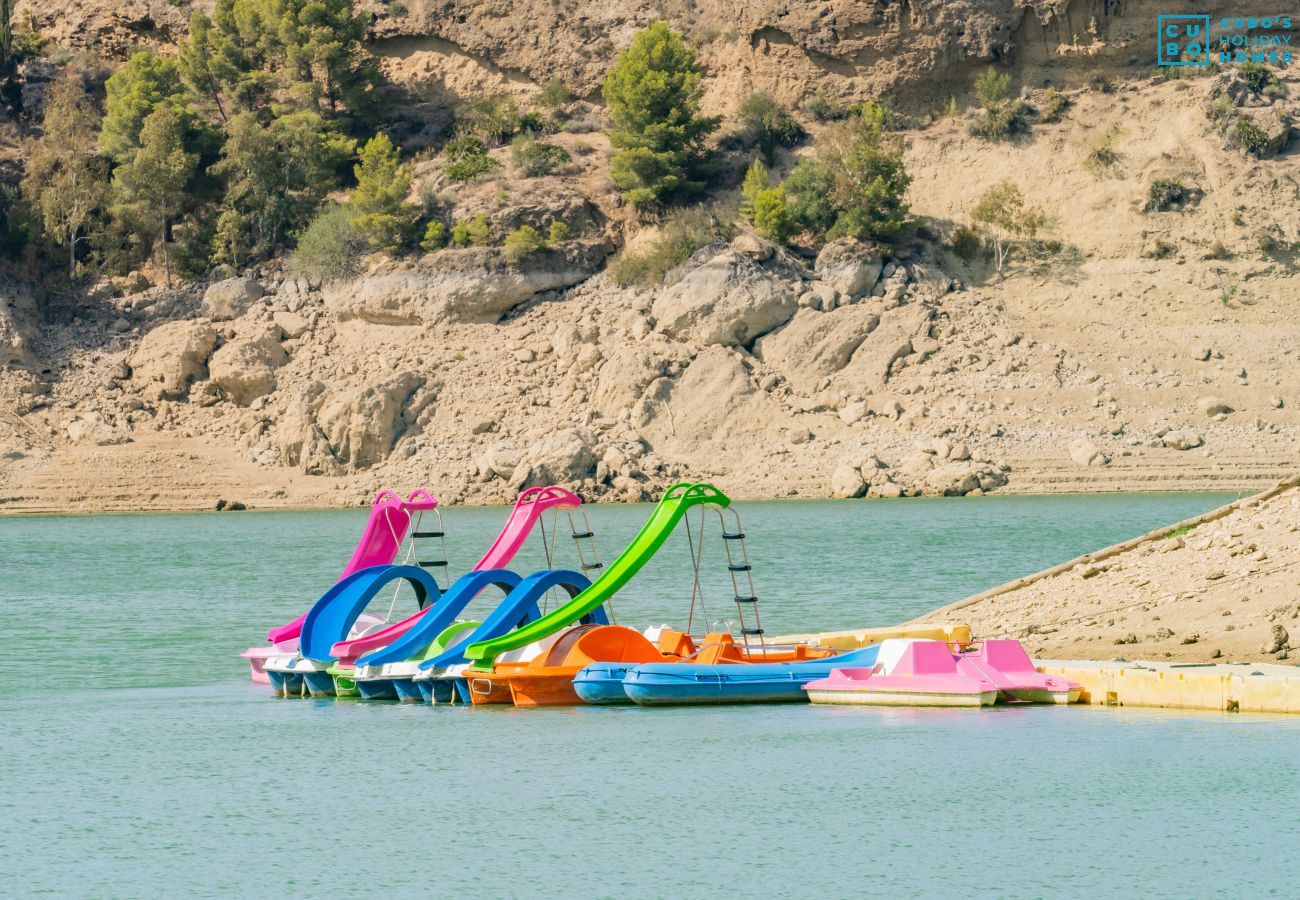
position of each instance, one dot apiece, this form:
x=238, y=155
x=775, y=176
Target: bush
x=1249, y=136
x=558, y=233
x=467, y=158
x=493, y=120
x=992, y=89
x=435, y=236
x=330, y=246
x=772, y=217
x=769, y=124
x=756, y=180
x=1101, y=84
x=1165, y=194
x=555, y=93
x=535, y=158
x=681, y=234
x=1002, y=117
x=824, y=109
x=1054, y=106
x=653, y=92
x=474, y=233
x=522, y=243
x=1258, y=76
x=965, y=242
x=1002, y=209
x=1101, y=156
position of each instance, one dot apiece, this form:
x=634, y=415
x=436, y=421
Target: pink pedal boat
x=927, y=673
x=907, y=673
x=1005, y=663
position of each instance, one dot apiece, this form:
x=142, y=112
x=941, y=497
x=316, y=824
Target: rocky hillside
x=1138, y=348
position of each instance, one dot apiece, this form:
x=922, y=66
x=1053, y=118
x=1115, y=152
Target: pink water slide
x=386, y=529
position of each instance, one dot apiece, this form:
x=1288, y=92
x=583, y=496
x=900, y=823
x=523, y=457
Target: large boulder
x=14, y=347
x=727, y=299
x=363, y=425
x=716, y=396
x=850, y=266
x=564, y=456
x=889, y=342
x=1269, y=121
x=623, y=377
x=469, y=285
x=846, y=482
x=245, y=369
x=1183, y=439
x=815, y=344
x=173, y=356
x=93, y=428
x=231, y=298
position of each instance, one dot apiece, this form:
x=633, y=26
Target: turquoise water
x=136, y=759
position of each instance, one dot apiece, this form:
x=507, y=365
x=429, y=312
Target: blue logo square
x=1182, y=40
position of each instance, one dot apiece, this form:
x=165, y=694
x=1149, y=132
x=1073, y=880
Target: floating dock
x=854, y=638
x=1231, y=687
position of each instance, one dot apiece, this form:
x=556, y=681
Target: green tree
x=330, y=246
x=65, y=179
x=435, y=236
x=772, y=216
x=756, y=181
x=991, y=88
x=276, y=177
x=653, y=92
x=855, y=184
x=477, y=232
x=151, y=187
x=522, y=243
x=1002, y=210
x=378, y=202
x=134, y=91
x=770, y=125
x=6, y=36
x=324, y=52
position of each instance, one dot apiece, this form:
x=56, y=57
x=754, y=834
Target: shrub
x=522, y=243
x=1054, y=106
x=558, y=232
x=330, y=246
x=1249, y=136
x=1002, y=117
x=1002, y=210
x=467, y=158
x=493, y=120
x=808, y=191
x=435, y=236
x=653, y=91
x=378, y=202
x=950, y=108
x=756, y=180
x=965, y=242
x=681, y=234
x=535, y=158
x=555, y=93
x=824, y=109
x=992, y=89
x=1165, y=194
x=1101, y=156
x=1258, y=76
x=772, y=216
x=474, y=233
x=1101, y=84
x=769, y=123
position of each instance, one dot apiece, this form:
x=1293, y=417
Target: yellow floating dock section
x=853, y=638
x=1246, y=687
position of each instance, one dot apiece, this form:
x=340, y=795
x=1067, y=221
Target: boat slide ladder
x=738, y=567
x=424, y=547
x=584, y=542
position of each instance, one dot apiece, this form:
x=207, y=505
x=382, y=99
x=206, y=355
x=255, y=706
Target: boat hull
x=859, y=697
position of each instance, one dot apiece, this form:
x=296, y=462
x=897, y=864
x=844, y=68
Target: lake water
x=136, y=760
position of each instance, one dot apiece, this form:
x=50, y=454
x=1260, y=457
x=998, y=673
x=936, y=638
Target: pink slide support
x=528, y=509
x=1004, y=662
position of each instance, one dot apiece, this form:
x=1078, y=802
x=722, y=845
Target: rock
x=1182, y=439
x=1201, y=354
x=753, y=246
x=889, y=342
x=174, y=355
x=1086, y=453
x=292, y=324
x=564, y=456
x=951, y=480
x=849, y=266
x=482, y=426
x=1275, y=126
x=231, y=298
x=729, y=299
x=958, y=452
x=460, y=285
x=1212, y=406
x=846, y=482
x=1275, y=402
x=852, y=412
x=245, y=369
x=815, y=344
x=362, y=425
x=1279, y=639
x=93, y=428
x=1229, y=82
x=887, y=490
x=501, y=459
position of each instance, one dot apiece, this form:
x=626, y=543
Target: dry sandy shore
x=1224, y=586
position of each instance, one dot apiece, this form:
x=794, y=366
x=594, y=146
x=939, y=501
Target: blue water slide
x=440, y=615
x=668, y=683
x=518, y=608
x=333, y=615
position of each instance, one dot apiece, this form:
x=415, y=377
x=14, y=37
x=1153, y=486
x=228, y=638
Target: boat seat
x=675, y=643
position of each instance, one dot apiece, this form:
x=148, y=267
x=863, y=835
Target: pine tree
x=755, y=181
x=65, y=178
x=654, y=91
x=152, y=186
x=378, y=202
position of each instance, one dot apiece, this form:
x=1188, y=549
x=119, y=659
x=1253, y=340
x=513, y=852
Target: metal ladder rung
x=751, y=599
x=426, y=563
x=754, y=631
x=585, y=534
x=742, y=568
x=428, y=534
x=587, y=567
x=733, y=535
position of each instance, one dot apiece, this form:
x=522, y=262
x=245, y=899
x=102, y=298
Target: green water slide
x=676, y=501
